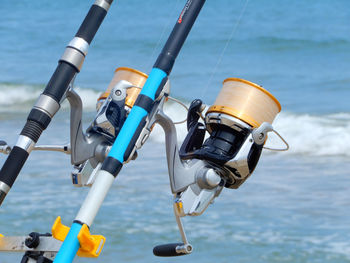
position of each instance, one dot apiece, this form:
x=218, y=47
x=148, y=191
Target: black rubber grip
x=80, y=223
x=13, y=165
x=167, y=250
x=111, y=165
x=91, y=23
x=144, y=102
x=60, y=80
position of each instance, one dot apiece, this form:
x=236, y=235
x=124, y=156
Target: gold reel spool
x=246, y=101
x=135, y=77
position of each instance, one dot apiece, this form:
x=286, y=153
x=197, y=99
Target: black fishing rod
x=132, y=136
x=49, y=101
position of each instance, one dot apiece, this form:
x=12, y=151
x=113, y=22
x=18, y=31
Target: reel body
x=239, y=110
x=113, y=107
x=230, y=148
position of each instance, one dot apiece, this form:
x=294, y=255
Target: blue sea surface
x=294, y=208
x=298, y=50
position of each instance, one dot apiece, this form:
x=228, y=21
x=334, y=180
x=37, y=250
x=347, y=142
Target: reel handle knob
x=172, y=250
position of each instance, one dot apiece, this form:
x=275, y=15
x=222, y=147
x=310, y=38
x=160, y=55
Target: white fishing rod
x=132, y=135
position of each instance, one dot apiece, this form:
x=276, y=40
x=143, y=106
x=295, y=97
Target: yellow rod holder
x=90, y=245
x=59, y=231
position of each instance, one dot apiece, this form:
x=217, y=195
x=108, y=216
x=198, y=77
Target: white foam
x=88, y=96
x=321, y=135
x=17, y=97
x=315, y=135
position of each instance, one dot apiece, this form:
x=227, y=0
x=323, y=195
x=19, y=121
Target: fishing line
x=225, y=47
x=151, y=59
x=278, y=149
x=183, y=105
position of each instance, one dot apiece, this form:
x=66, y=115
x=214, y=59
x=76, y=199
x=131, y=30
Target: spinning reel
x=237, y=125
x=90, y=149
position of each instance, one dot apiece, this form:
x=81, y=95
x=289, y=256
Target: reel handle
x=172, y=250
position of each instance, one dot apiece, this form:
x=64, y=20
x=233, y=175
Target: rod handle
x=11, y=169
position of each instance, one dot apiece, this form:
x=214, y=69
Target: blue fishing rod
x=132, y=136
x=49, y=101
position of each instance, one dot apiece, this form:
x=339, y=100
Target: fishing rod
x=49, y=101
x=132, y=135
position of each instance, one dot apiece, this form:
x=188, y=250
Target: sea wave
x=307, y=134
x=19, y=98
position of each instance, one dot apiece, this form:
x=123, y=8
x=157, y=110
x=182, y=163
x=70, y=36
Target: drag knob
x=172, y=250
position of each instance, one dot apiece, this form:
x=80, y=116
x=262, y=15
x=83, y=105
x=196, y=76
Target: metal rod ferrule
x=103, y=3
x=25, y=143
x=47, y=105
x=4, y=187
x=73, y=57
x=80, y=44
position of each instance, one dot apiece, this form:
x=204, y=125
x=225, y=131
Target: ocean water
x=292, y=209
